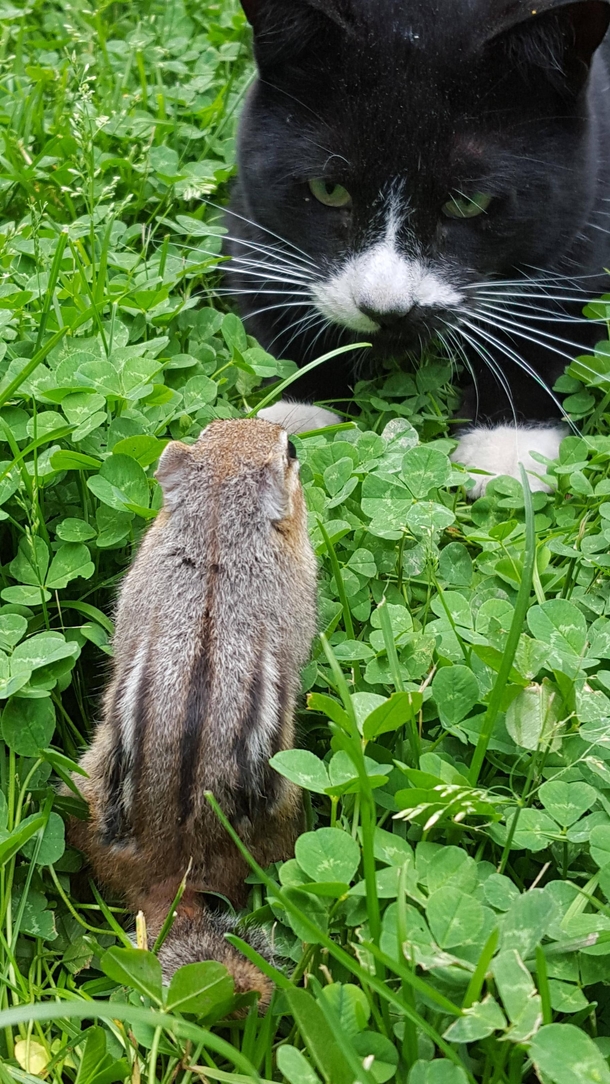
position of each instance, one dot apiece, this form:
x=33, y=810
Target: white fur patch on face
x=298, y=417
x=383, y=280
x=501, y=448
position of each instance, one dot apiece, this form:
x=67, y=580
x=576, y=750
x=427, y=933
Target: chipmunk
x=215, y=619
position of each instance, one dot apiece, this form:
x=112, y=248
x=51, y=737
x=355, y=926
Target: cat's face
x=408, y=150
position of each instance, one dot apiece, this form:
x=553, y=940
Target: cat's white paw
x=298, y=417
x=500, y=449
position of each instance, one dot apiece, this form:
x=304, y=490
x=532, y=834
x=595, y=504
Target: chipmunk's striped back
x=215, y=620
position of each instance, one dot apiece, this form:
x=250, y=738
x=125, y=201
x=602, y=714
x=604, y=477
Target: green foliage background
x=449, y=905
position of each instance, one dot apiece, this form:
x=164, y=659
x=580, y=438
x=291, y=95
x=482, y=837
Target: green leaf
x=28, y=725
x=371, y=1044
x=425, y=469
x=455, y=565
x=337, y=475
x=534, y=716
x=599, y=842
x=437, y=1072
x=323, y=1044
x=454, y=918
x=456, y=691
x=12, y=628
x=363, y=563
x=41, y=650
x=349, y=1004
x=135, y=968
x=392, y=714
x=93, y=1055
x=199, y=988
x=295, y=1067
x=121, y=484
x=13, y=843
x=31, y=563
x=559, y=624
x=566, y=802
x=426, y=518
x=25, y=596
x=565, y=1054
x=566, y=997
x=310, y=906
x=516, y=988
x=69, y=460
x=53, y=842
x=71, y=561
x=145, y=449
x=303, y=768
x=478, y=1021
x=75, y=530
x=526, y=922
x=329, y=854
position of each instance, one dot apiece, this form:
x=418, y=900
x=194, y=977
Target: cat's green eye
x=331, y=195
x=467, y=206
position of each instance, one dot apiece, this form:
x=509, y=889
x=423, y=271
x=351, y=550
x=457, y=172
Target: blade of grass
x=273, y=395
x=512, y=641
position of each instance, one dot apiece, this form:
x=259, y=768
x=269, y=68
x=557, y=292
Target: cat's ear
x=257, y=10
x=284, y=28
x=561, y=37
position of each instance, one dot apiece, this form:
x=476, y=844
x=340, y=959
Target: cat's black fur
x=420, y=98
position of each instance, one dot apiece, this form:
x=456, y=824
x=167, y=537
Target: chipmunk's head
x=243, y=463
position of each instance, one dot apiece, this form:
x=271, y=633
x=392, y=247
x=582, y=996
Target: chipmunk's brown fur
x=215, y=619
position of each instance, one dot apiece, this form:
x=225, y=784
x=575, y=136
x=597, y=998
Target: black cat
x=420, y=168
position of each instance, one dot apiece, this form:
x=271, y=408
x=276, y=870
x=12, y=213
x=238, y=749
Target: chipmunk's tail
x=197, y=934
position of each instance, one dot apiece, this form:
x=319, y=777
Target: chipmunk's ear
x=172, y=473
x=274, y=498
x=553, y=35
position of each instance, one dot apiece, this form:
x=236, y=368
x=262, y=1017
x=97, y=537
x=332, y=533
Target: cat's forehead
x=424, y=23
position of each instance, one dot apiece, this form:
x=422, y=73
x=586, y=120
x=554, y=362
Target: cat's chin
x=501, y=449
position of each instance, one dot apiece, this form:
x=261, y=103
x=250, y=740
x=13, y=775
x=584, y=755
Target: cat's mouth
x=410, y=336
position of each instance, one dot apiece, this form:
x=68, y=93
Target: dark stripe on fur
x=194, y=718
x=115, y=826
x=140, y=728
x=251, y=774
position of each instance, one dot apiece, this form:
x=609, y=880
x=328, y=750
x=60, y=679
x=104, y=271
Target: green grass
x=449, y=906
